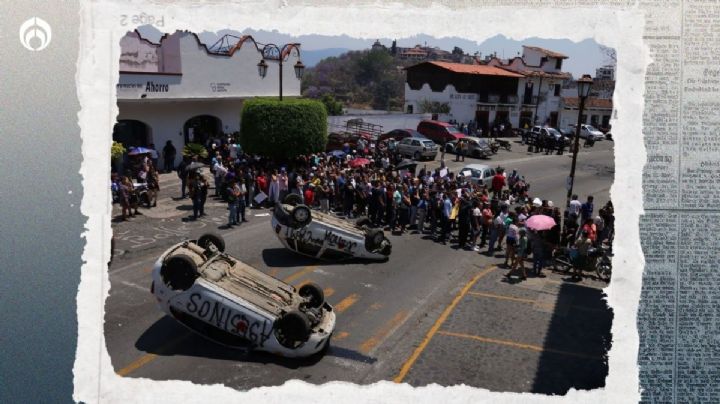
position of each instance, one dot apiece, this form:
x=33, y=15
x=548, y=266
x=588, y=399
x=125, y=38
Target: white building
x=522, y=91
x=605, y=73
x=540, y=91
x=178, y=90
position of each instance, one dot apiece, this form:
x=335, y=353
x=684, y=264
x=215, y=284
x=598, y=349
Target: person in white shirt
x=573, y=209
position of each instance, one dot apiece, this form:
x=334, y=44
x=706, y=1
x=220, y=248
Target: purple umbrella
x=540, y=222
x=138, y=150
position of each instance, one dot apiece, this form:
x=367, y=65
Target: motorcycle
x=597, y=261
x=504, y=144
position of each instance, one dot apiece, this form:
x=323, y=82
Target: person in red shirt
x=310, y=195
x=498, y=182
x=589, y=226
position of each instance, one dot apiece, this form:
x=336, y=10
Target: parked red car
x=439, y=132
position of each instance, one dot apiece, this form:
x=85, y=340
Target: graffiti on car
x=336, y=240
x=228, y=319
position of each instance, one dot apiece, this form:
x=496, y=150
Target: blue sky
x=583, y=57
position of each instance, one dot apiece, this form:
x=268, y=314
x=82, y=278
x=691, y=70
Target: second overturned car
x=325, y=236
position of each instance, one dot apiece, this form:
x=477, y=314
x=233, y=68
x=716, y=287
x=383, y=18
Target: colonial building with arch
x=182, y=91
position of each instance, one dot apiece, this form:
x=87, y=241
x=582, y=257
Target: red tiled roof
x=550, y=53
x=550, y=75
x=482, y=70
x=591, y=102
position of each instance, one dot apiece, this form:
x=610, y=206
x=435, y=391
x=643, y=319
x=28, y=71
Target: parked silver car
x=481, y=174
x=475, y=147
x=417, y=148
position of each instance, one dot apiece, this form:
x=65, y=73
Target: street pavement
x=431, y=314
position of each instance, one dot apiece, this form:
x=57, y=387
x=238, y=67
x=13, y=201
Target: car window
x=590, y=127
x=492, y=171
x=452, y=129
x=487, y=173
x=415, y=143
x=407, y=140
x=428, y=143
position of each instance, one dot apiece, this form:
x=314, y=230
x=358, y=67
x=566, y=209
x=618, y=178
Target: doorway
x=201, y=129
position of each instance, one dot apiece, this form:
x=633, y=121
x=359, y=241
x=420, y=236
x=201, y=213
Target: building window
x=558, y=64
x=410, y=109
x=557, y=90
x=583, y=118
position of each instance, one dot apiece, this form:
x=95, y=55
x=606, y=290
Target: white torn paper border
x=101, y=29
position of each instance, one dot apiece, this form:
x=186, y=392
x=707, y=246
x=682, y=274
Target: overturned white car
x=324, y=236
x=236, y=305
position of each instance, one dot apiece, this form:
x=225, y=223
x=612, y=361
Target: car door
x=404, y=146
x=486, y=177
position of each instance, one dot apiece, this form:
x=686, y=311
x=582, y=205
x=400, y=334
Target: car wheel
x=314, y=292
x=292, y=329
x=374, y=239
x=293, y=199
x=416, y=156
x=386, y=248
x=448, y=149
x=363, y=221
x=301, y=215
x=179, y=272
x=211, y=239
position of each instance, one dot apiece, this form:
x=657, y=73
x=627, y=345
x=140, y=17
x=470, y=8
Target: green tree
x=283, y=129
x=333, y=106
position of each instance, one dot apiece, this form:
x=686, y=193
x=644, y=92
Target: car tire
x=374, y=239
x=314, y=292
x=363, y=221
x=293, y=199
x=208, y=239
x=301, y=215
x=448, y=148
x=292, y=329
x=179, y=272
x=386, y=248
x=417, y=156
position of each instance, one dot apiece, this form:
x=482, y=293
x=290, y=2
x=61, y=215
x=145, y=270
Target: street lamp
x=279, y=54
x=583, y=84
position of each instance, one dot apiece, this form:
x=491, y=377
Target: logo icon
x=35, y=34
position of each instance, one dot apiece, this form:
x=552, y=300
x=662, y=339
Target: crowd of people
x=440, y=204
x=444, y=206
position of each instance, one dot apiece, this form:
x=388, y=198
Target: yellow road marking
x=299, y=273
x=513, y=344
x=149, y=357
x=409, y=363
x=137, y=364
x=346, y=303
x=328, y=292
x=340, y=336
x=373, y=341
x=376, y=306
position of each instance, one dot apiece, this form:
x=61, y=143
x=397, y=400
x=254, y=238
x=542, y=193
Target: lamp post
x=279, y=54
x=583, y=84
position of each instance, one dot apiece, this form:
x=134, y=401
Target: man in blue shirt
x=586, y=210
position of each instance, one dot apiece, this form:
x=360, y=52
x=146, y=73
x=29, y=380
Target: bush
x=283, y=129
x=116, y=151
x=195, y=149
x=333, y=106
